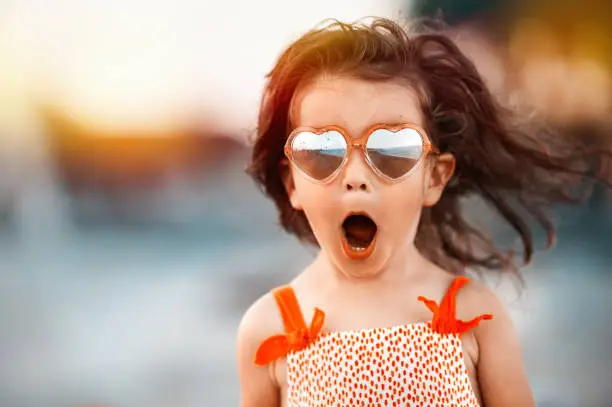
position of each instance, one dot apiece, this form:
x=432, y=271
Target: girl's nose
x=357, y=174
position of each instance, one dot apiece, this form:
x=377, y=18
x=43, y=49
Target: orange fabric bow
x=444, y=320
x=278, y=346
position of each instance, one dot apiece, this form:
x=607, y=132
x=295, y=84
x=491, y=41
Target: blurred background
x=131, y=241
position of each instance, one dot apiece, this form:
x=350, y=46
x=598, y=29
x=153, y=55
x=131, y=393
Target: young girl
x=368, y=139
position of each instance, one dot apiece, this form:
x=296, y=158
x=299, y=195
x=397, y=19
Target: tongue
x=361, y=234
x=359, y=230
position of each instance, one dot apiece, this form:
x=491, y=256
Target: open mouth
x=359, y=232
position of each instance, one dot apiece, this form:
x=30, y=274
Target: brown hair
x=519, y=170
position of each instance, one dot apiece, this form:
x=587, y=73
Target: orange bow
x=278, y=346
x=444, y=319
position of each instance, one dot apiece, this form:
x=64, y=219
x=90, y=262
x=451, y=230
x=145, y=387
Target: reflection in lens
x=318, y=155
x=394, y=153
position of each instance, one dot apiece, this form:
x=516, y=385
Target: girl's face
x=356, y=245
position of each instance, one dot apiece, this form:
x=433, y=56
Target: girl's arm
x=257, y=387
x=501, y=373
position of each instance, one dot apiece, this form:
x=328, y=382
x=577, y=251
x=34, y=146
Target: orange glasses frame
x=361, y=144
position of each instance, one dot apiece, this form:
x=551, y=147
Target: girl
x=368, y=139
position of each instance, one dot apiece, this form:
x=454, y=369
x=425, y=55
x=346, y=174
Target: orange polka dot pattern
x=409, y=365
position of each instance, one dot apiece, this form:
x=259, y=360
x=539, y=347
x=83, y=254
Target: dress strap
x=444, y=316
x=289, y=308
x=297, y=335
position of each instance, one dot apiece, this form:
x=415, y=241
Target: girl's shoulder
x=268, y=316
x=498, y=354
x=260, y=321
x=475, y=298
x=470, y=297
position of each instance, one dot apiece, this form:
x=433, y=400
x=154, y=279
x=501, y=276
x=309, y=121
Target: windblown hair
x=520, y=171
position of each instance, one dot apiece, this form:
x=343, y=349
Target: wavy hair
x=519, y=169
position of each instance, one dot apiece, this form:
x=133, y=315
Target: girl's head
x=369, y=137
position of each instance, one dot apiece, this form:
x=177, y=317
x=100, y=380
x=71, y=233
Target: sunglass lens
x=319, y=155
x=394, y=153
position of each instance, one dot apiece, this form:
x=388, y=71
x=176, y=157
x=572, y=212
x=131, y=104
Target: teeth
x=358, y=249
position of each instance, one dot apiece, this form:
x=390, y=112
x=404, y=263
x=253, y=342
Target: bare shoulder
x=260, y=320
x=258, y=386
x=473, y=299
x=501, y=373
x=476, y=298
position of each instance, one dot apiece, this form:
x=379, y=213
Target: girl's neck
x=401, y=268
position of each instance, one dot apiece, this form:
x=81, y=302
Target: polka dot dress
x=410, y=365
x=401, y=366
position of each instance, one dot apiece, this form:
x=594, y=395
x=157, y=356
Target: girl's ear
x=286, y=172
x=438, y=176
